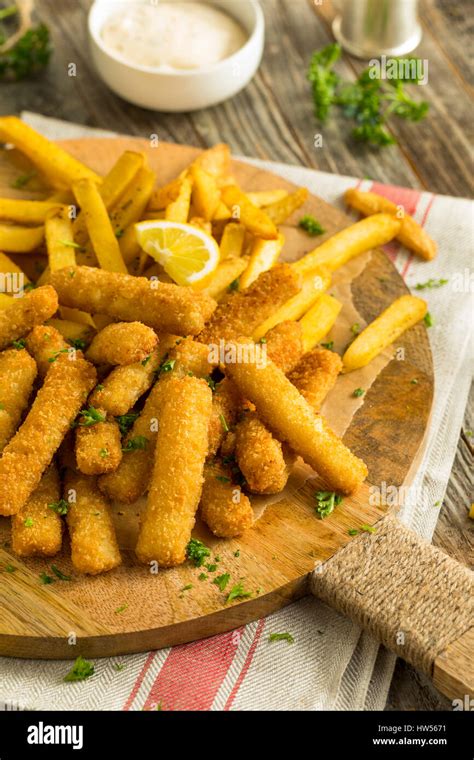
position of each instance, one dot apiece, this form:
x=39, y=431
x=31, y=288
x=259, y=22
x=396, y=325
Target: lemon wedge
x=187, y=254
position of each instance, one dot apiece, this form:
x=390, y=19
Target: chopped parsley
x=167, y=366
x=211, y=383
x=311, y=225
x=139, y=442
x=353, y=532
x=329, y=345
x=28, y=522
x=104, y=453
x=223, y=479
x=355, y=328
x=119, y=233
x=119, y=666
x=414, y=381
x=224, y=423
x=146, y=360
x=234, y=285
x=120, y=609
x=237, y=592
x=56, y=354
x=368, y=528
x=281, y=637
x=81, y=670
x=428, y=319
x=19, y=344
x=263, y=340
x=71, y=244
x=99, y=387
x=90, y=416
x=431, y=283
x=202, y=577
x=79, y=344
x=211, y=568
x=10, y=569
x=187, y=588
x=46, y=579
x=222, y=581
x=60, y=507
x=22, y=180
x=60, y=574
x=125, y=421
x=237, y=553
x=358, y=392
x=325, y=502
x=197, y=552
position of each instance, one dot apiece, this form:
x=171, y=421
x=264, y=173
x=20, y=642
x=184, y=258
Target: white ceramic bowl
x=179, y=90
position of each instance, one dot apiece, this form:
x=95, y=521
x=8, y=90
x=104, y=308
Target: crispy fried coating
x=33, y=309
x=44, y=343
x=176, y=482
x=36, y=528
x=285, y=345
x=260, y=456
x=224, y=508
x=189, y=356
x=316, y=374
x=17, y=375
x=164, y=307
x=98, y=447
x=241, y=313
x=121, y=389
x=30, y=451
x=288, y=414
x=94, y=547
x=122, y=343
x=225, y=404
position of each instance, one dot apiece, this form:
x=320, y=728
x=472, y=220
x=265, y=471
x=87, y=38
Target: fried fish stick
x=121, y=389
x=224, y=508
x=122, y=343
x=411, y=234
x=30, y=451
x=36, y=528
x=45, y=343
x=316, y=374
x=166, y=308
x=352, y=241
x=17, y=375
x=27, y=312
x=94, y=547
x=253, y=218
x=98, y=447
x=176, y=482
x=285, y=345
x=225, y=404
x=242, y=313
x=260, y=456
x=288, y=414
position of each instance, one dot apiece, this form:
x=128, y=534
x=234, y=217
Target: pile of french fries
x=118, y=383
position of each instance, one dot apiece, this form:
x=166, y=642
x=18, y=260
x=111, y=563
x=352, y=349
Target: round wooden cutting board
x=130, y=609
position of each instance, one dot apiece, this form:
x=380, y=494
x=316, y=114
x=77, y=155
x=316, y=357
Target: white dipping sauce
x=173, y=35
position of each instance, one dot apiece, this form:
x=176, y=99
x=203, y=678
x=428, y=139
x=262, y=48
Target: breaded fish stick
x=25, y=313
x=286, y=411
x=316, y=374
x=99, y=446
x=37, y=528
x=45, y=343
x=122, y=388
x=17, y=375
x=224, y=508
x=260, y=456
x=285, y=345
x=94, y=547
x=176, y=482
x=169, y=308
x=30, y=451
x=241, y=313
x=122, y=343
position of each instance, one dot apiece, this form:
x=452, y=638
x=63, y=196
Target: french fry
x=411, y=234
x=178, y=210
x=318, y=320
x=214, y=161
x=71, y=331
x=27, y=212
x=252, y=217
x=17, y=239
x=25, y=313
x=280, y=210
x=122, y=343
x=243, y=312
x=61, y=168
x=17, y=375
x=15, y=276
x=99, y=446
x=350, y=242
x=45, y=343
x=94, y=547
x=173, y=501
x=225, y=509
x=222, y=213
x=232, y=241
x=99, y=228
x=315, y=375
x=262, y=198
x=260, y=456
x=402, y=314
x=130, y=210
x=313, y=285
x=75, y=315
x=287, y=412
x=30, y=451
x=227, y=272
x=167, y=308
x=37, y=529
x=205, y=193
x=263, y=255
x=59, y=241
x=163, y=196
x=121, y=389
x=285, y=345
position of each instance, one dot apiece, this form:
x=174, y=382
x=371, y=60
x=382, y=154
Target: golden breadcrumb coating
x=224, y=508
x=44, y=343
x=122, y=343
x=17, y=375
x=98, y=447
x=285, y=345
x=37, y=528
x=33, y=309
x=176, y=482
x=316, y=374
x=30, y=451
x=260, y=456
x=119, y=391
x=164, y=307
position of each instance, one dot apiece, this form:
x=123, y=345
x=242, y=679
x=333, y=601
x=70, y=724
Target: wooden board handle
x=414, y=598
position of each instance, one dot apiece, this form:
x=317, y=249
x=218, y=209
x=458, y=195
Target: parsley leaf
x=282, y=637
x=222, y=581
x=358, y=392
x=81, y=670
x=125, y=421
x=197, y=552
x=139, y=442
x=19, y=344
x=430, y=284
x=90, y=416
x=60, y=574
x=325, y=502
x=60, y=507
x=237, y=592
x=311, y=225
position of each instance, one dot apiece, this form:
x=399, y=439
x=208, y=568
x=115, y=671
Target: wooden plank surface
x=273, y=119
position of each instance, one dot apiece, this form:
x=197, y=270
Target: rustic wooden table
x=273, y=119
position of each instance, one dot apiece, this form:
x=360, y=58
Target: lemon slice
x=188, y=255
